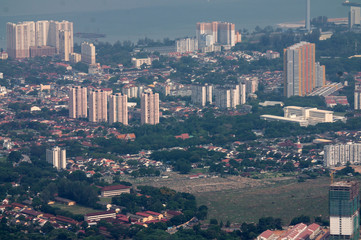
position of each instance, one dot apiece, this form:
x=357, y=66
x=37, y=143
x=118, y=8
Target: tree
x=300, y=219
x=47, y=228
x=14, y=156
x=213, y=221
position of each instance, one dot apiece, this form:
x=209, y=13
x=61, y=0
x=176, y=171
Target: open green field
x=285, y=201
x=76, y=209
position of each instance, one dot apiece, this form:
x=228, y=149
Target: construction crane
x=332, y=173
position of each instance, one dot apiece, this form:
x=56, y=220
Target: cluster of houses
x=298, y=232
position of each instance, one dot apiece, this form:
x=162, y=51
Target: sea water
x=179, y=20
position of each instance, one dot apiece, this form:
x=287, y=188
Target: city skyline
x=197, y=11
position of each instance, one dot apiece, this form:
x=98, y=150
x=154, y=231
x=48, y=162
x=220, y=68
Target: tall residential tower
x=98, y=105
x=301, y=73
x=118, y=109
x=149, y=108
x=23, y=36
x=88, y=53
x=57, y=157
x=78, y=102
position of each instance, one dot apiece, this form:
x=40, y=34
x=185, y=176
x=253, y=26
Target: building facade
x=299, y=69
x=98, y=105
x=64, y=45
x=20, y=37
x=357, y=94
x=149, y=108
x=57, y=157
x=23, y=35
x=344, y=202
x=118, y=108
x=230, y=96
x=187, y=45
x=78, y=102
x=320, y=75
x=222, y=33
x=341, y=154
x=139, y=62
x=201, y=95
x=88, y=53
x=354, y=16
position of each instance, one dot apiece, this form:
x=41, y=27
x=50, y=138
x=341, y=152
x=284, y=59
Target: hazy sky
x=33, y=7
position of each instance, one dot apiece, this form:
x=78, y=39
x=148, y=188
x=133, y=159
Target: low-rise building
x=97, y=216
x=114, y=190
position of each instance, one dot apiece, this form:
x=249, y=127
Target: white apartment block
x=98, y=105
x=41, y=33
x=357, y=94
x=88, y=53
x=75, y=57
x=20, y=37
x=340, y=154
x=187, y=45
x=132, y=91
x=57, y=157
x=201, y=95
x=23, y=35
x=118, y=108
x=64, y=45
x=78, y=102
x=138, y=62
x=149, y=108
x=230, y=96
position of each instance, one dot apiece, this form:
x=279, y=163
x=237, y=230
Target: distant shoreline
x=302, y=23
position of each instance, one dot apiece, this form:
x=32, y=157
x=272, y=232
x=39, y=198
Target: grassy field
x=76, y=209
x=285, y=201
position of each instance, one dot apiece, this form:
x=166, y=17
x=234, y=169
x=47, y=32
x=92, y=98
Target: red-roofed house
x=266, y=235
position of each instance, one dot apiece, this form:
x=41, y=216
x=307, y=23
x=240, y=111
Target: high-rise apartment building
x=320, y=75
x=132, y=91
x=41, y=33
x=54, y=28
x=118, y=108
x=88, y=53
x=98, y=105
x=299, y=69
x=230, y=96
x=64, y=45
x=57, y=157
x=354, y=16
x=357, y=94
x=201, y=95
x=344, y=202
x=24, y=35
x=20, y=37
x=341, y=154
x=222, y=33
x=149, y=108
x=187, y=45
x=78, y=102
